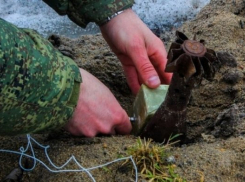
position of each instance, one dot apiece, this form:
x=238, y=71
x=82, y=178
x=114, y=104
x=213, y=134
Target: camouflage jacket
x=84, y=11
x=39, y=87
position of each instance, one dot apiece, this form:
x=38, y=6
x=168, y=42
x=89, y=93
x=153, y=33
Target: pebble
x=171, y=160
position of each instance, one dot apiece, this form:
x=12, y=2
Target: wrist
x=107, y=19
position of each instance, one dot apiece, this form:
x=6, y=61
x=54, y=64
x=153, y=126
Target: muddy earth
x=215, y=146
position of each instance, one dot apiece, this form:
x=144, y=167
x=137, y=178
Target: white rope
x=59, y=169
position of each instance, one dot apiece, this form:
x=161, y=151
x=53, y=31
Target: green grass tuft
x=151, y=161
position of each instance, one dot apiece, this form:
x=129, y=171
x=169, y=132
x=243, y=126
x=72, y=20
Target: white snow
x=35, y=14
x=167, y=13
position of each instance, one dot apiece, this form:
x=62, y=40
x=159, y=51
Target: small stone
x=98, y=57
x=171, y=160
x=108, y=54
x=226, y=122
x=105, y=145
x=232, y=77
x=227, y=59
x=241, y=24
x=208, y=138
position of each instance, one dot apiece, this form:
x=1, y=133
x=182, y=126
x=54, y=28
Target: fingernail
x=153, y=81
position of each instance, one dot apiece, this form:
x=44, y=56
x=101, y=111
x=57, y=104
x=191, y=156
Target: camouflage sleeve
x=39, y=87
x=84, y=11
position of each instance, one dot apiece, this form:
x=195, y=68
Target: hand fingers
x=131, y=74
x=159, y=60
x=144, y=67
x=124, y=127
x=132, y=78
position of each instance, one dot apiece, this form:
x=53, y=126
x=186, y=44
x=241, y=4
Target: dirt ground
x=215, y=144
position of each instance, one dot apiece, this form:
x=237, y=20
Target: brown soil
x=215, y=147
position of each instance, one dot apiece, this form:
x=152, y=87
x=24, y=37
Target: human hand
x=142, y=54
x=97, y=110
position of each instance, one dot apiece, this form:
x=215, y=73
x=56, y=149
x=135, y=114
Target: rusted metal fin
x=208, y=69
x=174, y=54
x=180, y=37
x=183, y=65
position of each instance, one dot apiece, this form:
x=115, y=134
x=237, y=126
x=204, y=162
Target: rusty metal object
x=190, y=61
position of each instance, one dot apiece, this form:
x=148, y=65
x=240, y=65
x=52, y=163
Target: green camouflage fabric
x=39, y=86
x=84, y=11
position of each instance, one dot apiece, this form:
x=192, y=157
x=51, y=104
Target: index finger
x=158, y=57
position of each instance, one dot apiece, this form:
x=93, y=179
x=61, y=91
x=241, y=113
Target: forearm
x=141, y=53
x=84, y=11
